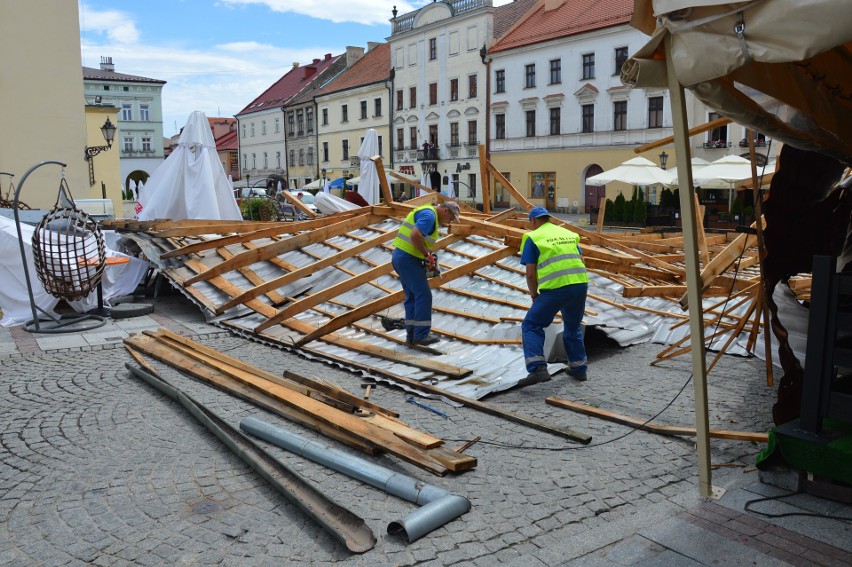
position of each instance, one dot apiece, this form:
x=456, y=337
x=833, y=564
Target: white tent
x=636, y=171
x=426, y=181
x=190, y=183
x=368, y=185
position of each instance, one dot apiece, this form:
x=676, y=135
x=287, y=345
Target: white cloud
x=117, y=26
x=367, y=12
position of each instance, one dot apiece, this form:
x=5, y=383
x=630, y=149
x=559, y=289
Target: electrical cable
x=748, y=508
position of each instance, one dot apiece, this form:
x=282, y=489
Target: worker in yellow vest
x=413, y=244
x=558, y=282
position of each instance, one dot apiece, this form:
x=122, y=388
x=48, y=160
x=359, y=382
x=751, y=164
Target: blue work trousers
x=418, y=295
x=570, y=300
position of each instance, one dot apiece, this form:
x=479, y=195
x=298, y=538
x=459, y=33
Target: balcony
x=757, y=143
x=716, y=144
x=431, y=154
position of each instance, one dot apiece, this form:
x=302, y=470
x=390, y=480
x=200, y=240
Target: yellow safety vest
x=403, y=237
x=559, y=262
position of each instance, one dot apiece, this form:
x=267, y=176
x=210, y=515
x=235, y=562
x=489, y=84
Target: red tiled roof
x=227, y=142
x=289, y=85
x=373, y=67
x=507, y=15
x=565, y=18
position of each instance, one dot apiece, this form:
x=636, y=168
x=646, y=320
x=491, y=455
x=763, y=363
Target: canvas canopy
x=190, y=183
x=780, y=67
x=636, y=171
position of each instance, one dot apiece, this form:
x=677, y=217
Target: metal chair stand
x=55, y=325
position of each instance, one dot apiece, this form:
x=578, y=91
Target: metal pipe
x=439, y=506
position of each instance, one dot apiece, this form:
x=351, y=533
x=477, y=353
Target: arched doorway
x=134, y=181
x=593, y=193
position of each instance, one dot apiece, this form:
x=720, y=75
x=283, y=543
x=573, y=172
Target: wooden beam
x=486, y=179
x=601, y=213
x=383, y=180
x=692, y=132
x=653, y=428
x=511, y=188
x=286, y=245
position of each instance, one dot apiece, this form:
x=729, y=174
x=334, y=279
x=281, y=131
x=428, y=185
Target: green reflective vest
x=403, y=237
x=559, y=262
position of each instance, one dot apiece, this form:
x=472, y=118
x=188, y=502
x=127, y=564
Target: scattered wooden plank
x=654, y=428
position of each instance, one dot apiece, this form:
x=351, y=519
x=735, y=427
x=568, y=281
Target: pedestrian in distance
x=558, y=282
x=411, y=256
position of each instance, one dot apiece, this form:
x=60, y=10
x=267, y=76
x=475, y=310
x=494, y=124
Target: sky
x=217, y=56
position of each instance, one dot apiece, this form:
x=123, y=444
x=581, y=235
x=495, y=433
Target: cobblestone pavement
x=100, y=469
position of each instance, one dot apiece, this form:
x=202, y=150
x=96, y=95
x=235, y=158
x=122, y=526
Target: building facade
x=139, y=139
x=355, y=101
x=439, y=103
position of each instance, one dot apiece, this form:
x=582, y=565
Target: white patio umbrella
x=368, y=183
x=636, y=171
x=315, y=184
x=697, y=165
x=727, y=170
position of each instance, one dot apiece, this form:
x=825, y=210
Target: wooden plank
x=326, y=415
x=383, y=180
x=601, y=213
x=299, y=204
x=661, y=429
x=509, y=187
x=485, y=176
x=286, y=245
x=217, y=379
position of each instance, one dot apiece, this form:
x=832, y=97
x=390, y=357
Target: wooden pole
x=601, y=213
x=486, y=180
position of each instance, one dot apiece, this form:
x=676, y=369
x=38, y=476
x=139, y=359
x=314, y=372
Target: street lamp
x=664, y=158
x=323, y=178
x=108, y=131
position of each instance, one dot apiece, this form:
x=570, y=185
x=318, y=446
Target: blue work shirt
x=425, y=221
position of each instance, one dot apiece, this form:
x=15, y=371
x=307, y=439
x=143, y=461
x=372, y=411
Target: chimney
x=316, y=61
x=552, y=4
x=371, y=45
x=353, y=55
x=328, y=56
x=106, y=64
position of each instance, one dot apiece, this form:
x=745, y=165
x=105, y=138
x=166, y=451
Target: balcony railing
x=432, y=154
x=405, y=22
x=716, y=144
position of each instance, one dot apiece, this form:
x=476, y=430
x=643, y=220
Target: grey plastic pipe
x=438, y=505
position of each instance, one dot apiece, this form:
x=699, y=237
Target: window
x=146, y=143
x=309, y=118
x=412, y=97
x=555, y=71
x=292, y=157
x=620, y=58
x=291, y=124
x=380, y=146
x=412, y=138
x=454, y=89
x=245, y=161
x=377, y=107
x=363, y=109
x=345, y=149
x=541, y=180
x=588, y=66
x=251, y=129
x=500, y=81
x=433, y=49
x=433, y=93
x=144, y=115
x=555, y=121
x=300, y=123
x=655, y=112
x=400, y=138
x=471, y=133
x=325, y=117
x=254, y=161
x=454, y=134
x=126, y=112
x=277, y=125
x=530, y=123
x=500, y=126
x=588, y=114
x=399, y=99
x=471, y=86
x=263, y=128
x=619, y=115
x=301, y=156
x=128, y=144
x=529, y=76
x=278, y=160
x=433, y=134
x=717, y=136
x=244, y=132
x=265, y=160
x=344, y=113
x=325, y=151
x=310, y=155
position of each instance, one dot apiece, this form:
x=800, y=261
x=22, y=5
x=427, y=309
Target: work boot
x=540, y=374
x=578, y=375
x=425, y=341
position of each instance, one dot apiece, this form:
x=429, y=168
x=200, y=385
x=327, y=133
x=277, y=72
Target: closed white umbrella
x=368, y=182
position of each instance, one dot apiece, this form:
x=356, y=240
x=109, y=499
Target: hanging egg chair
x=69, y=253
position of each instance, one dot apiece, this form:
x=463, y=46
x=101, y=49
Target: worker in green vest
x=411, y=257
x=558, y=282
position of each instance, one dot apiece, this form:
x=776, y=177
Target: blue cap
x=536, y=212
